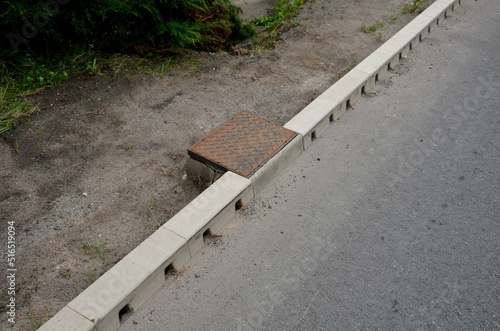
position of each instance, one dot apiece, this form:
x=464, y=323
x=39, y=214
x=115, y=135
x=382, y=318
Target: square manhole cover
x=242, y=144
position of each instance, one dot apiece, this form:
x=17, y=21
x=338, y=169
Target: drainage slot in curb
x=207, y=233
x=388, y=66
x=411, y=46
x=169, y=270
x=348, y=104
x=376, y=77
x=124, y=314
x=237, y=206
x=363, y=89
x=453, y=7
x=420, y=37
x=331, y=118
x=429, y=29
x=400, y=55
x=437, y=21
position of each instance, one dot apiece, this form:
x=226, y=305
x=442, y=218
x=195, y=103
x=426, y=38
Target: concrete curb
x=327, y=108
x=129, y=283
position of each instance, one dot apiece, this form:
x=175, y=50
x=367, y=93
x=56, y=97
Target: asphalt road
x=389, y=221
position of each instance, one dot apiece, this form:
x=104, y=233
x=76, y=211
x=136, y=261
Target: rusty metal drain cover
x=242, y=144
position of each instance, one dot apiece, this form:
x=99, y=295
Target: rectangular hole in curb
x=169, y=270
x=388, y=66
x=207, y=233
x=452, y=7
x=348, y=104
x=238, y=205
x=437, y=21
x=411, y=46
x=376, y=77
x=124, y=314
x=331, y=118
x=363, y=89
x=429, y=29
x=400, y=55
x=420, y=37
x=313, y=136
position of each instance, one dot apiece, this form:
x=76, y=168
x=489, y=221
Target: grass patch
x=409, y=8
x=372, y=28
x=415, y=6
x=18, y=82
x=98, y=248
x=29, y=76
x=283, y=15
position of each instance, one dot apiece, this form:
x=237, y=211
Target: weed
x=12, y=103
x=380, y=34
x=93, y=67
x=410, y=7
x=415, y=6
x=161, y=68
x=36, y=320
x=372, y=28
x=92, y=275
x=99, y=248
x=192, y=64
x=283, y=13
x=396, y=13
x=129, y=147
x=128, y=65
x=16, y=146
x=159, y=224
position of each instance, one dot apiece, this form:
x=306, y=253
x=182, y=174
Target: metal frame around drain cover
x=242, y=144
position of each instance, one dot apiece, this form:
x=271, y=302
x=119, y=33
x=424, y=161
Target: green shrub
x=43, y=42
x=53, y=26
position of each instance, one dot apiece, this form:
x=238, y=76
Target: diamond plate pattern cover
x=242, y=144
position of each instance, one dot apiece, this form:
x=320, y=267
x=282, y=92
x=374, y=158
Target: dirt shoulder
x=89, y=177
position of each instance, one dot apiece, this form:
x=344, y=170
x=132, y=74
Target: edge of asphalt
x=129, y=283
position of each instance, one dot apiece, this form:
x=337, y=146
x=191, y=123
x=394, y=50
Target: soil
x=93, y=173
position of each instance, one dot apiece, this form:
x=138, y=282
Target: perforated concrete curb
x=138, y=275
x=316, y=117
x=276, y=165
